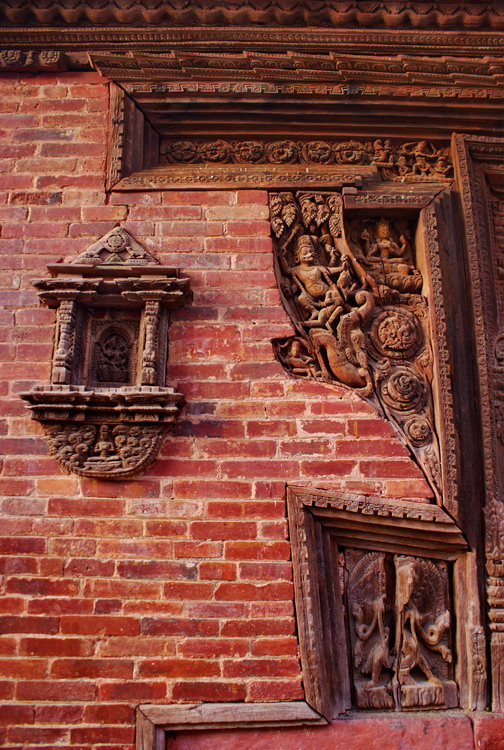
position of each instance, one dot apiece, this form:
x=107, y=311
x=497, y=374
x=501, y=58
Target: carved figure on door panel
x=399, y=641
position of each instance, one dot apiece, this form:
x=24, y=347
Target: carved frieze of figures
x=411, y=162
x=353, y=292
x=399, y=625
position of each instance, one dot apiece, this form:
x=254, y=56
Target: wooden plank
x=229, y=715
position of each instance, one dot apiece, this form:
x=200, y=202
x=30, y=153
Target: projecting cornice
x=340, y=14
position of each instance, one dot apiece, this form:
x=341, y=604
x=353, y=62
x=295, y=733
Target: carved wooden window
x=378, y=628
x=107, y=407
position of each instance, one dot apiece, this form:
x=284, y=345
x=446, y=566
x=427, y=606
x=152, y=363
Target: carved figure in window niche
x=359, y=317
x=401, y=656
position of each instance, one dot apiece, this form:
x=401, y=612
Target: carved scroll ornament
x=107, y=408
x=353, y=293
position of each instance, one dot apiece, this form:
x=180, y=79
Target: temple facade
x=252, y=375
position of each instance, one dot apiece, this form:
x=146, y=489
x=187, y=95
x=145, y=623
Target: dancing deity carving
x=399, y=631
x=353, y=294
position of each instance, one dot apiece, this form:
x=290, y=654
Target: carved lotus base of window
x=104, y=433
x=420, y=695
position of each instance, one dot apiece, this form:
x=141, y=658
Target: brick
x=362, y=447
x=37, y=735
x=187, y=590
x=185, y=627
x=23, y=668
x=174, y=668
x=214, y=647
x=215, y=609
x=122, y=589
x=276, y=690
x=89, y=567
x=217, y=571
x=12, y=714
x=212, y=489
x=265, y=571
x=271, y=428
x=197, y=549
x=251, y=592
x=63, y=606
x=329, y=467
x=92, y=668
x=383, y=468
x=258, y=468
x=222, y=530
x=157, y=569
x=56, y=647
x=16, y=624
x=287, y=667
x=208, y=691
x=105, y=528
x=169, y=529
x=74, y=508
x=369, y=428
x=132, y=691
x=252, y=448
x=260, y=550
x=99, y=625
x=58, y=714
x=42, y=587
x=30, y=546
x=102, y=734
x=61, y=690
x=109, y=714
x=257, y=627
x=274, y=647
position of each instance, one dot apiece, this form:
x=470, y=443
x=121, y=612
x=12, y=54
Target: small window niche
x=107, y=407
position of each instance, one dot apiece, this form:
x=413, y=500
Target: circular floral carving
x=249, y=152
x=215, y=151
x=318, y=152
x=418, y=430
x=116, y=243
x=282, y=152
x=403, y=390
x=11, y=57
x=396, y=333
x=49, y=57
x=351, y=152
x=184, y=152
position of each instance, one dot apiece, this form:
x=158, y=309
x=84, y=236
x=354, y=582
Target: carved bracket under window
x=107, y=408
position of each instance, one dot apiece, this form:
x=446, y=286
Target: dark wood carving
x=372, y=579
x=399, y=623
x=354, y=296
x=480, y=172
x=107, y=408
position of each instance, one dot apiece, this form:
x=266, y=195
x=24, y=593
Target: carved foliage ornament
x=353, y=293
x=107, y=408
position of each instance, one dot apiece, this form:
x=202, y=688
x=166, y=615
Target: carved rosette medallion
x=107, y=408
x=353, y=293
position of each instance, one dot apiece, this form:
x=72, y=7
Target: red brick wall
x=176, y=586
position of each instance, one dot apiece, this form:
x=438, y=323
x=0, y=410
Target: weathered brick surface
x=176, y=586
